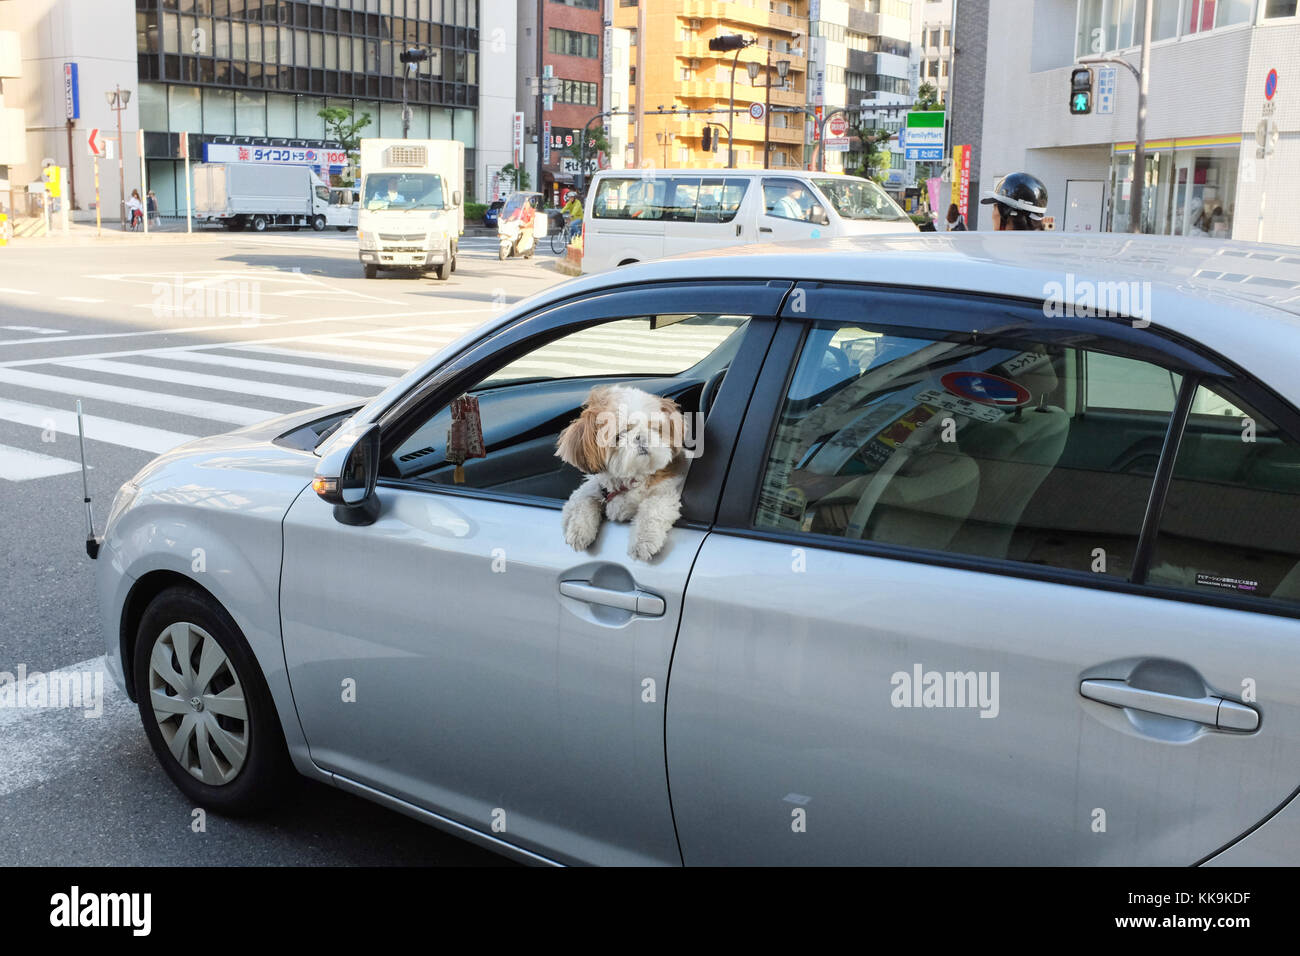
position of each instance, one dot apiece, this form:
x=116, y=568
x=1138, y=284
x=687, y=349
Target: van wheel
x=443, y=272
x=259, y=224
x=205, y=705
x=371, y=270
x=318, y=223
x=453, y=258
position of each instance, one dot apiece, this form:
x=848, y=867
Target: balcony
x=738, y=15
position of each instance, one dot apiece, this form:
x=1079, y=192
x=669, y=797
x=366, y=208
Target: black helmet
x=1022, y=192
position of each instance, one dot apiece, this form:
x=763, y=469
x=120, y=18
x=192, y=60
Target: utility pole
x=542, y=146
x=767, y=108
x=72, y=179
x=411, y=60
x=117, y=100
x=1142, y=74
x=733, y=41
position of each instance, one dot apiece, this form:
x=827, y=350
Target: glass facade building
x=258, y=72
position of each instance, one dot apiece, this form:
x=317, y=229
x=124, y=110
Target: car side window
x=787, y=199
x=1231, y=519
x=720, y=199
x=976, y=449
x=525, y=403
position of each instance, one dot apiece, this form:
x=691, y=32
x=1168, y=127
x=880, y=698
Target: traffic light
x=706, y=139
x=732, y=41
x=413, y=55
x=1081, y=90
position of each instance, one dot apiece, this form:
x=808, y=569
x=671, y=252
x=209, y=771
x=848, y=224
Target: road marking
x=315, y=356
x=19, y=464
x=32, y=328
x=38, y=744
x=17, y=292
x=284, y=368
x=139, y=437
x=242, y=386
x=228, y=326
x=158, y=401
x=77, y=298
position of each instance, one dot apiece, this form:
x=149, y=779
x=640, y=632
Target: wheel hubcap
x=198, y=703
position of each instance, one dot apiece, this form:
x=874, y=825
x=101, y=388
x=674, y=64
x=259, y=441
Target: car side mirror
x=455, y=197
x=346, y=474
x=818, y=215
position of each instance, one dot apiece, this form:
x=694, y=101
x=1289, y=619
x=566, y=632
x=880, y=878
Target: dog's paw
x=580, y=531
x=645, y=545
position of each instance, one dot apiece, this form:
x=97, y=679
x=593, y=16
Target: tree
x=873, y=159
x=927, y=98
x=341, y=125
x=514, y=176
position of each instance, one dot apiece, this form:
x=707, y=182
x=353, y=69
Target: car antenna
x=92, y=542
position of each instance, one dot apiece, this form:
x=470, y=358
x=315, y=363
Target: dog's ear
x=673, y=422
x=579, y=443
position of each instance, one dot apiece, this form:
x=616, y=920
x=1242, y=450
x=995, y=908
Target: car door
x=955, y=612
x=456, y=655
x=786, y=212
x=703, y=213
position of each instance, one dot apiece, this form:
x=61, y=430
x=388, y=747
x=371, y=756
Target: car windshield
x=404, y=191
x=859, y=199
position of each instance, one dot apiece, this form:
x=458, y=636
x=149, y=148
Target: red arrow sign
x=95, y=144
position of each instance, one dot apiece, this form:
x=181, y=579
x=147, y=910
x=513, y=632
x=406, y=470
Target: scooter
x=520, y=226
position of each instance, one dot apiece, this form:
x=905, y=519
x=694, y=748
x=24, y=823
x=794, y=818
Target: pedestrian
x=152, y=204
x=1019, y=202
x=134, y=208
x=956, y=223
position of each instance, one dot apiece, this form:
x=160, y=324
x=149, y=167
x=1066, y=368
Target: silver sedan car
x=989, y=552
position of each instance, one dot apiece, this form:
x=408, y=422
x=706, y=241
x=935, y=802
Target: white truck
x=258, y=195
x=412, y=210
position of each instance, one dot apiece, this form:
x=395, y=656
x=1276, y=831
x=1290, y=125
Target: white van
x=632, y=215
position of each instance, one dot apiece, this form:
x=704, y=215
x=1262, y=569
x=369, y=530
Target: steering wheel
x=709, y=393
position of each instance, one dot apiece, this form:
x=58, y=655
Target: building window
x=577, y=91
x=572, y=43
x=934, y=38
x=580, y=4
x=1279, y=8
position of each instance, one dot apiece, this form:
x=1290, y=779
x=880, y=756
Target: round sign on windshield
x=986, y=389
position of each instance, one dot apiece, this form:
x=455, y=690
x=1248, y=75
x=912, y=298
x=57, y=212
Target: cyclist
x=572, y=210
x=1019, y=202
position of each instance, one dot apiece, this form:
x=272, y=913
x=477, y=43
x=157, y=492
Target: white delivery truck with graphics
x=260, y=195
x=412, y=205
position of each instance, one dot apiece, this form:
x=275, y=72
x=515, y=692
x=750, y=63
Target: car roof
x=1240, y=299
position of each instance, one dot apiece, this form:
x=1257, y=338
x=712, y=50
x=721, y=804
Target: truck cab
x=411, y=213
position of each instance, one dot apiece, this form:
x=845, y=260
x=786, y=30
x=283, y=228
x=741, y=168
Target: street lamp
x=733, y=41
x=782, y=70
x=117, y=100
x=665, y=140
x=412, y=58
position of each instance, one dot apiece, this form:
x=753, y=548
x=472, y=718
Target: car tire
x=252, y=769
x=259, y=224
x=443, y=272
x=371, y=271
x=453, y=258
x=318, y=223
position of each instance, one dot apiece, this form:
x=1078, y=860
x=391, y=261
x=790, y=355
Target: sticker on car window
x=962, y=406
x=1225, y=583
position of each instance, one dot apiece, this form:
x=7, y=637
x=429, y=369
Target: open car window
x=525, y=403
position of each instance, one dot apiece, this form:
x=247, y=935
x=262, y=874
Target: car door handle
x=738, y=228
x=638, y=601
x=1212, y=711
x=764, y=228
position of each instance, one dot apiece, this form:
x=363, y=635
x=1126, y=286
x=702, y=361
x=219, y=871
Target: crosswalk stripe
x=19, y=464
x=17, y=292
x=243, y=386
x=139, y=437
x=283, y=368
x=372, y=361
x=119, y=395
x=32, y=328
x=372, y=345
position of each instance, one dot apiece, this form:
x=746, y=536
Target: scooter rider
x=1019, y=202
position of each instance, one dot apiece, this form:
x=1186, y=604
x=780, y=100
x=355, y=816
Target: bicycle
x=561, y=239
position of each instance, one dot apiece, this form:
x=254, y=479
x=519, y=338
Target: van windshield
x=859, y=199
x=404, y=191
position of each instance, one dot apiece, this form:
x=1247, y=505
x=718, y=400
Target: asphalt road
x=163, y=339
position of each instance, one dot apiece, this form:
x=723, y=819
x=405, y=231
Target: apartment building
x=673, y=70
x=13, y=128
x=932, y=22
x=1210, y=63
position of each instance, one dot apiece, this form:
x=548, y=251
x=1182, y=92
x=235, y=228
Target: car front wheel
x=205, y=706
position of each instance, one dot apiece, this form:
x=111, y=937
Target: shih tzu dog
x=629, y=444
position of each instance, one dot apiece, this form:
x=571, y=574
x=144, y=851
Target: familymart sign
x=923, y=136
